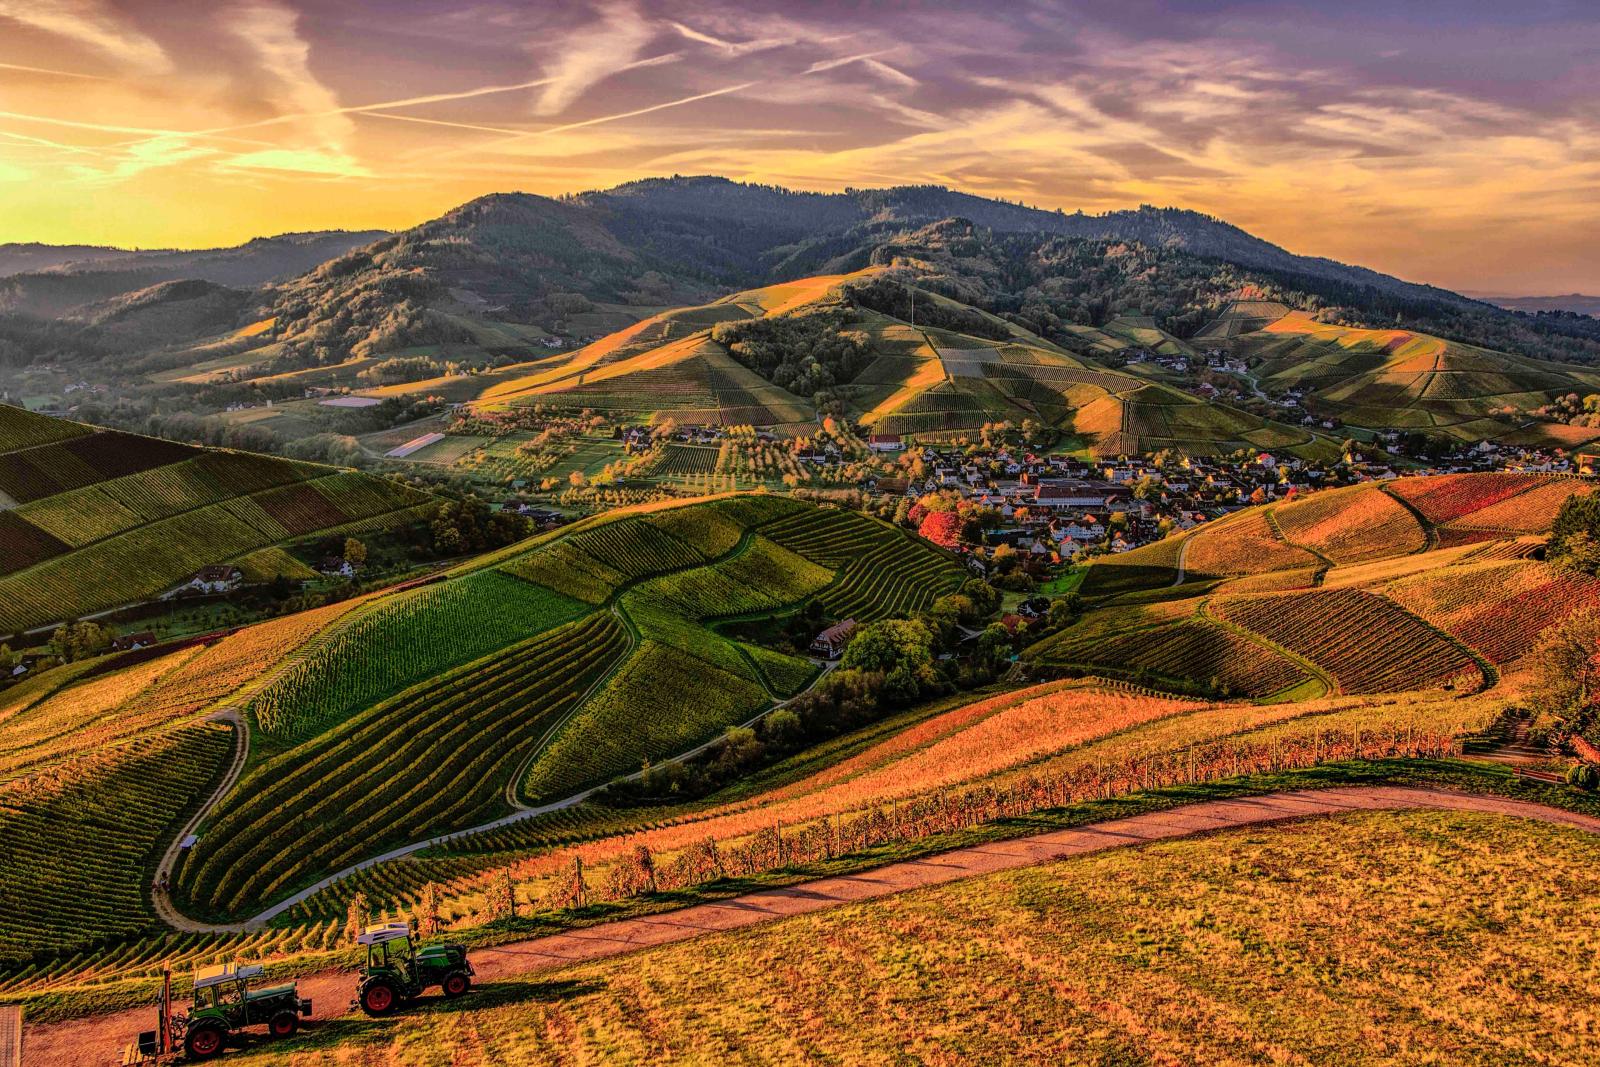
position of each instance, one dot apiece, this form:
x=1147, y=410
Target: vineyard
x=436, y=628
x=1367, y=643
x=1449, y=498
x=1497, y=608
x=1193, y=650
x=1245, y=543
x=1150, y=566
x=79, y=838
x=881, y=571
x=109, y=518
x=434, y=758
x=1350, y=525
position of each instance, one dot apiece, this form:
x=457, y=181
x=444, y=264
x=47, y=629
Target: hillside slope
x=91, y=519
x=942, y=367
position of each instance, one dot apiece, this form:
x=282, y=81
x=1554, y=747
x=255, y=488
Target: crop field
x=593, y=564
x=1192, y=650
x=1450, y=498
x=437, y=626
x=434, y=758
x=1151, y=566
x=1350, y=525
x=1529, y=512
x=1129, y=956
x=660, y=701
x=762, y=578
x=881, y=571
x=110, y=518
x=1367, y=643
x=1246, y=544
x=1497, y=608
x=79, y=837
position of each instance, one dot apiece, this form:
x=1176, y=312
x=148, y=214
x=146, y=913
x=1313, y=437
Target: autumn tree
x=355, y=553
x=943, y=528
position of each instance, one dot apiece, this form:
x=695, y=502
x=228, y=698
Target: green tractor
x=397, y=970
x=224, y=1005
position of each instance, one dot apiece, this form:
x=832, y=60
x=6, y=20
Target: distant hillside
x=1577, y=303
x=851, y=344
x=91, y=519
x=53, y=282
x=1404, y=379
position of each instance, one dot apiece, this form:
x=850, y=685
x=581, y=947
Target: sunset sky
x=1454, y=142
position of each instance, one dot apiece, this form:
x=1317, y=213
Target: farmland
x=1140, y=958
x=1192, y=649
x=541, y=672
x=1367, y=643
x=107, y=518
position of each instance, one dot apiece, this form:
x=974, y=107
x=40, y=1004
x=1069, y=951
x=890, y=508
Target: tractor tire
x=379, y=998
x=204, y=1041
x=283, y=1024
x=456, y=983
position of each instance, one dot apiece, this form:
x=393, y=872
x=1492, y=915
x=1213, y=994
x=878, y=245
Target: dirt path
x=160, y=897
x=99, y=1039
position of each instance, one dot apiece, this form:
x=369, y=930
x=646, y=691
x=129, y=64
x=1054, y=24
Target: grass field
x=1462, y=937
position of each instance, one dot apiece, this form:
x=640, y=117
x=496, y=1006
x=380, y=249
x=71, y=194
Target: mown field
x=1452, y=937
x=103, y=518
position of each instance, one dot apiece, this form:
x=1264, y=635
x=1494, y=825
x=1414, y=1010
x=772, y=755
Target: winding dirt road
x=98, y=1040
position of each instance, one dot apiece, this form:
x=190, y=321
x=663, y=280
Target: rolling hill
x=1400, y=379
x=1372, y=588
x=954, y=369
x=91, y=519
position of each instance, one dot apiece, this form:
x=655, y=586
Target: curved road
x=98, y=1039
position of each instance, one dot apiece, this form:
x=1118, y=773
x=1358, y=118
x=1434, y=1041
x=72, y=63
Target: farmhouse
x=885, y=442
x=830, y=642
x=130, y=642
x=219, y=578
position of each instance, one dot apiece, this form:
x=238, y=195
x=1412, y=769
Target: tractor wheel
x=204, y=1041
x=379, y=998
x=456, y=983
x=284, y=1024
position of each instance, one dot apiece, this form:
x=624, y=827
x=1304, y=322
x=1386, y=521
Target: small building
x=218, y=578
x=830, y=642
x=130, y=642
x=885, y=442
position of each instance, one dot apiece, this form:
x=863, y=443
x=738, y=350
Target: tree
x=357, y=914
x=889, y=643
x=79, y=640
x=1567, y=664
x=943, y=528
x=427, y=913
x=355, y=553
x=8, y=659
x=1575, y=535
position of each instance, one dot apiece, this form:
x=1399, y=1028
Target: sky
x=1456, y=143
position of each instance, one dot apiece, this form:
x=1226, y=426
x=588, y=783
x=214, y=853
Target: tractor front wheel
x=379, y=998
x=204, y=1041
x=456, y=983
x=284, y=1024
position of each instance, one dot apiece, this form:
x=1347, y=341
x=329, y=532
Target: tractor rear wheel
x=284, y=1024
x=379, y=998
x=204, y=1041
x=456, y=983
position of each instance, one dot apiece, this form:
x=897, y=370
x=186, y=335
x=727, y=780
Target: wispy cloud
x=94, y=24
x=52, y=72
x=592, y=53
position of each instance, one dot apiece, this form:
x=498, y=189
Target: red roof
x=884, y=439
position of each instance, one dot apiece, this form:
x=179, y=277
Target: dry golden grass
x=1374, y=938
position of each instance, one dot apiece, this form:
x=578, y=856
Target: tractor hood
x=286, y=990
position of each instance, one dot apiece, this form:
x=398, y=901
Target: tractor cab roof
x=378, y=934
x=206, y=977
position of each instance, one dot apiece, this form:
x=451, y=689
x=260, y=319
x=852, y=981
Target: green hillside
x=535, y=674
x=92, y=519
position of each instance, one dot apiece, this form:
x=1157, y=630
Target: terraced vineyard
x=432, y=759
x=1189, y=650
x=438, y=626
x=881, y=571
x=1367, y=643
x=107, y=518
x=1350, y=525
x=1497, y=608
x=79, y=838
